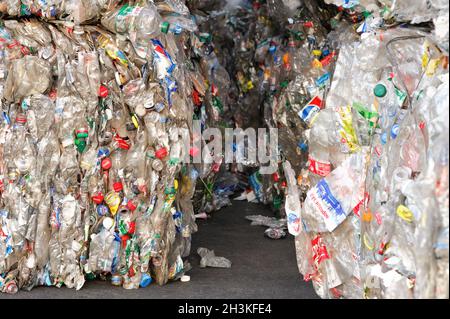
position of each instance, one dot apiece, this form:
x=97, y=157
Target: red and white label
x=319, y=249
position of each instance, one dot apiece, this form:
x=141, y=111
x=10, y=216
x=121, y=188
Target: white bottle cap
x=108, y=223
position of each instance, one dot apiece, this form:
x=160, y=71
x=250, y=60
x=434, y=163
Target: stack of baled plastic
x=96, y=101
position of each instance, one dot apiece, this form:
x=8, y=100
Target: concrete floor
x=261, y=268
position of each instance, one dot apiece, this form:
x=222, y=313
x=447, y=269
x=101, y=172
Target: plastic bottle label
x=321, y=81
x=293, y=216
x=320, y=252
x=311, y=110
x=327, y=204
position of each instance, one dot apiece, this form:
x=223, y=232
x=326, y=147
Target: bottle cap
x=108, y=223
x=303, y=146
x=121, y=143
x=102, y=210
x=157, y=165
x=185, y=278
x=21, y=118
x=146, y=280
x=275, y=177
x=159, y=107
x=118, y=187
x=193, y=151
x=82, y=133
x=131, y=206
x=80, y=144
x=103, y=152
x=98, y=199
x=161, y=153
x=106, y=163
x=380, y=90
x=103, y=92
x=116, y=280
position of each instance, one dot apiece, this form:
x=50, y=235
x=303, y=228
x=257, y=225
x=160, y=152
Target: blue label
x=308, y=112
x=324, y=78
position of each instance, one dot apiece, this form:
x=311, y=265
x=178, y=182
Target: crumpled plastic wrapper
x=209, y=259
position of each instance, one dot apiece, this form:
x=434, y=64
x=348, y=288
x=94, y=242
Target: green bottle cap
x=205, y=37
x=80, y=144
x=90, y=276
x=367, y=14
x=82, y=135
x=380, y=90
x=299, y=36
x=165, y=27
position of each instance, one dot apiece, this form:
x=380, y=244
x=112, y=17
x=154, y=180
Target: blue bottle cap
x=303, y=146
x=102, y=210
x=103, y=152
x=194, y=174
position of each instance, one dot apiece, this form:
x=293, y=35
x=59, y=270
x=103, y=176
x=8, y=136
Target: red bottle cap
x=21, y=118
x=124, y=239
x=53, y=94
x=106, y=163
x=284, y=184
x=131, y=206
x=121, y=143
x=216, y=167
x=98, y=199
x=196, y=98
x=131, y=227
x=118, y=187
x=161, y=153
x=103, y=91
x=308, y=24
x=193, y=151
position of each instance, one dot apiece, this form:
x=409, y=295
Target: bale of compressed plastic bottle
x=359, y=203
x=96, y=97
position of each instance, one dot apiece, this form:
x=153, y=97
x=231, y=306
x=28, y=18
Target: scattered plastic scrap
x=209, y=259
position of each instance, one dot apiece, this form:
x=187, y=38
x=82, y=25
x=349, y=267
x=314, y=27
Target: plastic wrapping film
x=91, y=144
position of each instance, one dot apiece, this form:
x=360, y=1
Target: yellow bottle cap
x=135, y=121
x=405, y=213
